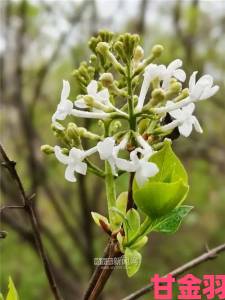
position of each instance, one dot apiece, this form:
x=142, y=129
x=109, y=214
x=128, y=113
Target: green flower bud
x=158, y=95
x=185, y=93
x=47, y=149
x=138, y=53
x=157, y=50
x=59, y=129
x=106, y=79
x=176, y=87
x=102, y=48
x=89, y=100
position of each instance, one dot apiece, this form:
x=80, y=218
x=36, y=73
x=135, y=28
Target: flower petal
x=180, y=75
x=80, y=103
x=177, y=63
x=92, y=88
x=65, y=90
x=188, y=109
x=105, y=148
x=125, y=165
x=69, y=174
x=209, y=92
x=103, y=96
x=192, y=81
x=185, y=129
x=196, y=124
x=60, y=156
x=81, y=168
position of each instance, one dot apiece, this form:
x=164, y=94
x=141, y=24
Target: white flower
x=142, y=168
x=65, y=106
x=109, y=151
x=73, y=161
x=152, y=71
x=184, y=120
x=203, y=88
x=92, y=90
x=173, y=70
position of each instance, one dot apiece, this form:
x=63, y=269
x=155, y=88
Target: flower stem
x=132, y=117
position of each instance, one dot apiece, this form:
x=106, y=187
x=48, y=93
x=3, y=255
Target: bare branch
x=28, y=206
x=180, y=270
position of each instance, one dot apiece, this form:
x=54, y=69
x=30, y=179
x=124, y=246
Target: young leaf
x=96, y=217
x=170, y=167
x=171, y=222
x=156, y=199
x=121, y=202
x=132, y=261
x=139, y=243
x=12, y=293
x=133, y=220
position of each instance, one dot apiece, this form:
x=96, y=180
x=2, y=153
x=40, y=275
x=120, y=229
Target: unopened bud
x=106, y=79
x=175, y=87
x=71, y=130
x=157, y=50
x=47, y=149
x=138, y=53
x=58, y=128
x=102, y=48
x=158, y=95
x=185, y=92
x=89, y=100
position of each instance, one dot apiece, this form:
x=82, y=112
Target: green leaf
x=156, y=199
x=121, y=202
x=133, y=221
x=12, y=293
x=96, y=217
x=132, y=261
x=170, y=167
x=121, y=205
x=171, y=222
x=139, y=243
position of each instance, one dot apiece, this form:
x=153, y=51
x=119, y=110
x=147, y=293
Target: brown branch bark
x=180, y=270
x=102, y=272
x=28, y=207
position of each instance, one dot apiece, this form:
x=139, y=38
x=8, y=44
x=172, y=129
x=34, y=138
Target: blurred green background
x=41, y=42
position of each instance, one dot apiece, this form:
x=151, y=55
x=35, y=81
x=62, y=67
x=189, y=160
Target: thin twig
x=28, y=206
x=180, y=270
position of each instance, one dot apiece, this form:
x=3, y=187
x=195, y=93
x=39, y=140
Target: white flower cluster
x=108, y=150
x=96, y=104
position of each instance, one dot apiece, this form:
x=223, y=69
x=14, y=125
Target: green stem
x=110, y=191
x=109, y=183
x=132, y=117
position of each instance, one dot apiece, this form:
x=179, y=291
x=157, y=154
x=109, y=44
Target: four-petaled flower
x=203, y=88
x=92, y=91
x=74, y=162
x=185, y=119
x=65, y=106
x=173, y=70
x=108, y=150
x=141, y=166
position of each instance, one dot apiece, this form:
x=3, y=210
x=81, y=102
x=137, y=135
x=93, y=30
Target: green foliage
x=12, y=292
x=132, y=261
x=170, y=223
x=133, y=222
x=167, y=189
x=170, y=167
